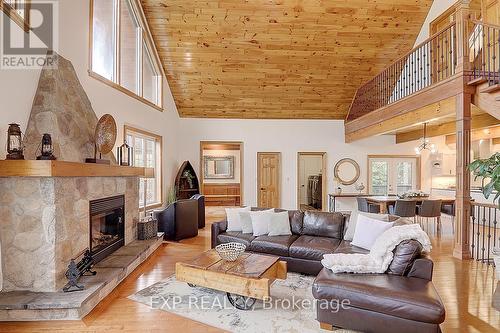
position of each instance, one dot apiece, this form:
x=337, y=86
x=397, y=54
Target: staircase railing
x=484, y=231
x=484, y=52
x=430, y=62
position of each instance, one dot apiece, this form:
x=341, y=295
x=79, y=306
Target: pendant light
x=425, y=145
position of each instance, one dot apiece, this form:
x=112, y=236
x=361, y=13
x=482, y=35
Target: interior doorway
x=311, y=180
x=221, y=170
x=269, y=180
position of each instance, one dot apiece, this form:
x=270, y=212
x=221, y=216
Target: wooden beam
x=478, y=134
x=436, y=110
x=479, y=121
x=496, y=141
x=461, y=248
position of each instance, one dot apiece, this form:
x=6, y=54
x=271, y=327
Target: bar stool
x=364, y=206
x=404, y=208
x=431, y=209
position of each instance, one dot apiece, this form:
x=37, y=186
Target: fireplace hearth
x=107, y=227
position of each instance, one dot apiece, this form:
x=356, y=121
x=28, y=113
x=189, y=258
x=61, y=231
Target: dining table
x=384, y=201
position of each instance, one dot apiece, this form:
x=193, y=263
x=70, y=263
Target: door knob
x=262, y=189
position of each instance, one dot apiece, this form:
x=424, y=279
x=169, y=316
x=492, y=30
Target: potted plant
x=489, y=170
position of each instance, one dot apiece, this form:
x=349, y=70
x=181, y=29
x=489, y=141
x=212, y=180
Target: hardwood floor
x=466, y=288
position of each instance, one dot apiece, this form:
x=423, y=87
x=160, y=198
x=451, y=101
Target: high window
x=122, y=53
x=147, y=153
x=18, y=11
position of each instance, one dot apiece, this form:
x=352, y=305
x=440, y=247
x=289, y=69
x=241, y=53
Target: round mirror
x=347, y=171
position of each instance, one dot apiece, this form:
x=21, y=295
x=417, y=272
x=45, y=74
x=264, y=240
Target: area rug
x=291, y=308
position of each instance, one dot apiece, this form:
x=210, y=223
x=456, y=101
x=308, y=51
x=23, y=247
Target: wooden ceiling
x=279, y=59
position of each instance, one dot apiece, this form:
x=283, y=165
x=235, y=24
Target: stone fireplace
x=45, y=204
x=45, y=223
x=53, y=211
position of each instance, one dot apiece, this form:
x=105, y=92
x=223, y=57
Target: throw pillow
x=368, y=230
x=246, y=221
x=351, y=226
x=260, y=222
x=280, y=224
x=233, y=218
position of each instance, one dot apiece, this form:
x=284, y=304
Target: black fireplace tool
x=76, y=270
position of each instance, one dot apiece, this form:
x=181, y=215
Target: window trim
x=159, y=173
x=24, y=23
x=145, y=38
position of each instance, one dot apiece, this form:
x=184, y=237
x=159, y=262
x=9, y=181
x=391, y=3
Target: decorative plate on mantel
x=105, y=134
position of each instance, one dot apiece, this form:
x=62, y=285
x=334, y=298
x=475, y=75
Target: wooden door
x=268, y=180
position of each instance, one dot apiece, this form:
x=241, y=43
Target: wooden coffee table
x=244, y=280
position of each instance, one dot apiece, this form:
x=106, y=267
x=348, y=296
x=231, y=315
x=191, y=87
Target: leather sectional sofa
x=401, y=300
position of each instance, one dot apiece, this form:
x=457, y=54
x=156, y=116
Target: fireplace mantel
x=31, y=168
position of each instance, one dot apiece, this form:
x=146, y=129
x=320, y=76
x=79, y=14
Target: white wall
x=17, y=89
x=287, y=137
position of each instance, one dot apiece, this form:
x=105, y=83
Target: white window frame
x=144, y=39
x=138, y=133
x=392, y=160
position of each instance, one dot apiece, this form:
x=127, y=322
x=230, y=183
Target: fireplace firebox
x=107, y=226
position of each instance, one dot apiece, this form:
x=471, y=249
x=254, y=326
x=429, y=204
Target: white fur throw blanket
x=380, y=256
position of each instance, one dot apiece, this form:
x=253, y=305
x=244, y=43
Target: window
x=122, y=52
x=18, y=11
x=147, y=153
x=393, y=174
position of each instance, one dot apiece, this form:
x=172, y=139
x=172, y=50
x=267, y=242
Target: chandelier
x=426, y=144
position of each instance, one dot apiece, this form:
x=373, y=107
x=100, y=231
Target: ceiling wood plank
x=278, y=59
x=478, y=121
x=478, y=134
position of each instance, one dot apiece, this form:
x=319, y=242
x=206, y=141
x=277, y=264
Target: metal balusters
x=427, y=64
x=484, y=222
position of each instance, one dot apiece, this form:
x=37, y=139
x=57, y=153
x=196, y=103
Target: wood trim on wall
x=324, y=200
x=279, y=175
x=23, y=23
x=158, y=138
x=231, y=143
x=419, y=168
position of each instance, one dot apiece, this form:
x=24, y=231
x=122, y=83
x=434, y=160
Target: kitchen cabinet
x=449, y=165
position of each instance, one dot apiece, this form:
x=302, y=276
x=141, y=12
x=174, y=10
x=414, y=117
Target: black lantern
x=14, y=143
x=47, y=148
x=124, y=154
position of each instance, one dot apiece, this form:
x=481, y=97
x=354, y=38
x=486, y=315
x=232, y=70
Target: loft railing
x=484, y=231
x=432, y=61
x=484, y=52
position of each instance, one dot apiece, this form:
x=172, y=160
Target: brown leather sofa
x=313, y=234
x=401, y=300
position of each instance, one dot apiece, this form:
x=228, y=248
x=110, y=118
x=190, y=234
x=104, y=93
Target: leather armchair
x=201, y=209
x=179, y=220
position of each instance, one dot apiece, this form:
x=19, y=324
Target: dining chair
x=404, y=208
x=431, y=209
x=366, y=207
